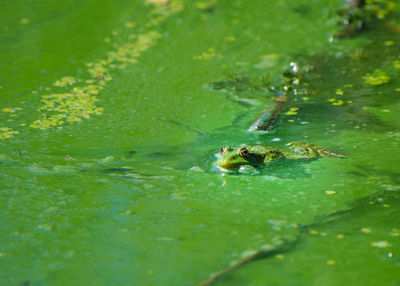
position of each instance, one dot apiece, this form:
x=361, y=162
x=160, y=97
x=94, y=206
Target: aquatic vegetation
x=68, y=80
x=69, y=107
x=339, y=91
x=330, y=262
x=289, y=83
x=105, y=175
x=6, y=133
x=10, y=110
x=209, y=5
x=24, y=21
x=292, y=111
x=79, y=102
x=378, y=77
x=366, y=230
x=380, y=244
x=379, y=8
x=357, y=15
x=336, y=102
x=330, y=192
x=207, y=55
x=237, y=84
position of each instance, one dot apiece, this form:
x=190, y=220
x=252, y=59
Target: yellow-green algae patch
x=65, y=81
x=207, y=55
x=6, y=133
x=79, y=102
x=380, y=8
x=69, y=107
x=378, y=77
x=397, y=64
x=292, y=111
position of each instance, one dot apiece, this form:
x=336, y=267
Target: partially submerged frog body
x=234, y=157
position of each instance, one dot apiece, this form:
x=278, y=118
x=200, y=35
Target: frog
x=233, y=157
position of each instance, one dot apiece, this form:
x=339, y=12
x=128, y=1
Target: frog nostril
x=223, y=150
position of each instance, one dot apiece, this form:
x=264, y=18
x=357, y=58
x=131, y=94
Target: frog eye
x=225, y=149
x=243, y=152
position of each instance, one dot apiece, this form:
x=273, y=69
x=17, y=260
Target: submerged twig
x=269, y=116
x=260, y=254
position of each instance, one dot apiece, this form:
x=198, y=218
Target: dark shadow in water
x=368, y=171
x=302, y=9
x=282, y=169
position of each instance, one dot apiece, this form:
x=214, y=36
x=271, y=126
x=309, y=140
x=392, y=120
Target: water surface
x=111, y=125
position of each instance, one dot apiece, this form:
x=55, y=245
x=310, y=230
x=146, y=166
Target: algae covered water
x=110, y=119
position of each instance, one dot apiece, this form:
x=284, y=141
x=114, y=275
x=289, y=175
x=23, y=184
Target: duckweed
x=130, y=25
x=339, y=102
x=378, y=77
x=230, y=39
x=330, y=193
x=24, y=21
x=336, y=102
x=207, y=55
x=380, y=244
x=71, y=107
x=65, y=81
x=389, y=43
x=395, y=232
x=339, y=91
x=8, y=110
x=366, y=230
x=292, y=111
x=380, y=8
x=206, y=5
x=331, y=262
x=80, y=102
x=6, y=133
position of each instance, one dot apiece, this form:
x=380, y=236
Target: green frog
x=234, y=157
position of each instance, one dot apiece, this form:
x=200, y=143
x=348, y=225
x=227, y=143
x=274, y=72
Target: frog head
x=234, y=157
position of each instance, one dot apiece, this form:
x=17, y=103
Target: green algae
x=378, y=77
x=130, y=196
x=6, y=133
x=79, y=103
x=207, y=55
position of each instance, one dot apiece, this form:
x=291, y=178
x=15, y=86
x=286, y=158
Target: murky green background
x=129, y=196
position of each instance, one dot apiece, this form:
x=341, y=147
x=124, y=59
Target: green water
x=126, y=193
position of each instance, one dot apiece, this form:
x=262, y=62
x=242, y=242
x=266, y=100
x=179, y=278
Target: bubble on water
x=248, y=170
